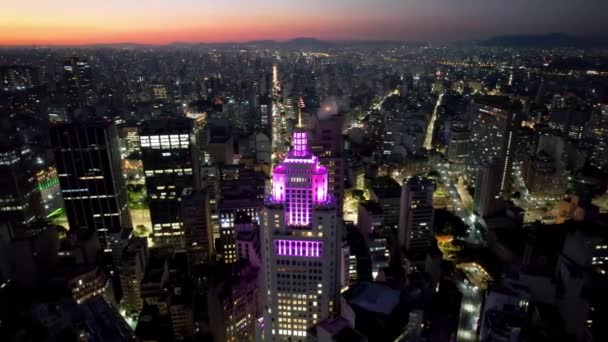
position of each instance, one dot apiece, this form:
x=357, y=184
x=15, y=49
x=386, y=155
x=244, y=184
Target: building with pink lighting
x=300, y=240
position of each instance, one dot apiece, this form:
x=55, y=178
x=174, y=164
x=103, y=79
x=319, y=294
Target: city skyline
x=320, y=171
x=33, y=22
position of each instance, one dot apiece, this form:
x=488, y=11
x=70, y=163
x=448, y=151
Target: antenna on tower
x=301, y=105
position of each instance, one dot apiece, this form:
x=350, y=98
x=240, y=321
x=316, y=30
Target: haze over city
x=303, y=171
x=69, y=22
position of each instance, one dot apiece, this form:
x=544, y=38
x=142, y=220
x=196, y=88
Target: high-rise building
x=130, y=140
x=301, y=244
x=247, y=240
x=487, y=188
x=493, y=122
x=17, y=77
x=78, y=82
x=50, y=190
x=169, y=153
x=132, y=270
x=416, y=216
x=242, y=192
x=20, y=200
x=541, y=177
x=459, y=144
x=234, y=302
x=265, y=114
x=196, y=218
x=387, y=193
x=92, y=185
x=329, y=147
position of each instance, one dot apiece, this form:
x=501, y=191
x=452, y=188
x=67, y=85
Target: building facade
x=89, y=169
x=169, y=150
x=416, y=216
x=301, y=244
x=20, y=199
x=493, y=122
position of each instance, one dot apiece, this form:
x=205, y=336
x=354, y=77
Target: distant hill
x=314, y=43
x=296, y=43
x=547, y=40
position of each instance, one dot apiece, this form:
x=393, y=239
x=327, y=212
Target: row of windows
x=299, y=263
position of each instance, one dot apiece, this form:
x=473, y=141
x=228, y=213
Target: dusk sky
x=159, y=22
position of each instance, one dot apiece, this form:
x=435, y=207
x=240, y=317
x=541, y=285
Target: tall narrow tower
x=93, y=188
x=416, y=217
x=300, y=239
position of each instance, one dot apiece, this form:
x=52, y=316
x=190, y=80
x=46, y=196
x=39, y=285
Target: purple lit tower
x=300, y=237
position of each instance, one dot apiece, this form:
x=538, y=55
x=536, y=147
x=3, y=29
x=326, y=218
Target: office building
x=370, y=218
x=458, y=144
x=301, y=244
x=493, y=121
x=486, y=200
x=130, y=141
x=170, y=159
x=50, y=190
x=234, y=302
x=416, y=216
x=220, y=142
x=242, y=192
x=196, y=218
x=89, y=169
x=132, y=270
x=387, y=193
x=247, y=240
x=328, y=145
x=78, y=83
x=20, y=200
x=542, y=178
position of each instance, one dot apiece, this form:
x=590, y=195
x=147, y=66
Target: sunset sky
x=160, y=22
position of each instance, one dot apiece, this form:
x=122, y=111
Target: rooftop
x=375, y=297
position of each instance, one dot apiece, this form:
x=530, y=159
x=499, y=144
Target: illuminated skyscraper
x=300, y=246
x=416, y=216
x=89, y=169
x=169, y=151
x=20, y=201
x=493, y=121
x=77, y=78
x=459, y=144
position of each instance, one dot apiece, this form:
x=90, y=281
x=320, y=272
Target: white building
x=301, y=246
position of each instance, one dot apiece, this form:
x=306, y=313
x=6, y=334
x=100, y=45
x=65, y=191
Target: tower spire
x=299, y=117
x=301, y=105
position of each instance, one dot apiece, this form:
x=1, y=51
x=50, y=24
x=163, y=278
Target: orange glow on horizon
x=188, y=30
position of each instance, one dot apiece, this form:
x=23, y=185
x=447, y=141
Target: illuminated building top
x=299, y=182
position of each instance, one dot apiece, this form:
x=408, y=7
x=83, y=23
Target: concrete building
x=459, y=147
x=132, y=269
x=542, y=178
x=195, y=213
x=247, y=240
x=416, y=216
x=328, y=145
x=234, y=302
x=301, y=246
x=387, y=193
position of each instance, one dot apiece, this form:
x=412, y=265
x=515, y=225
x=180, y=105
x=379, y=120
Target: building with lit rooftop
x=169, y=148
x=301, y=243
